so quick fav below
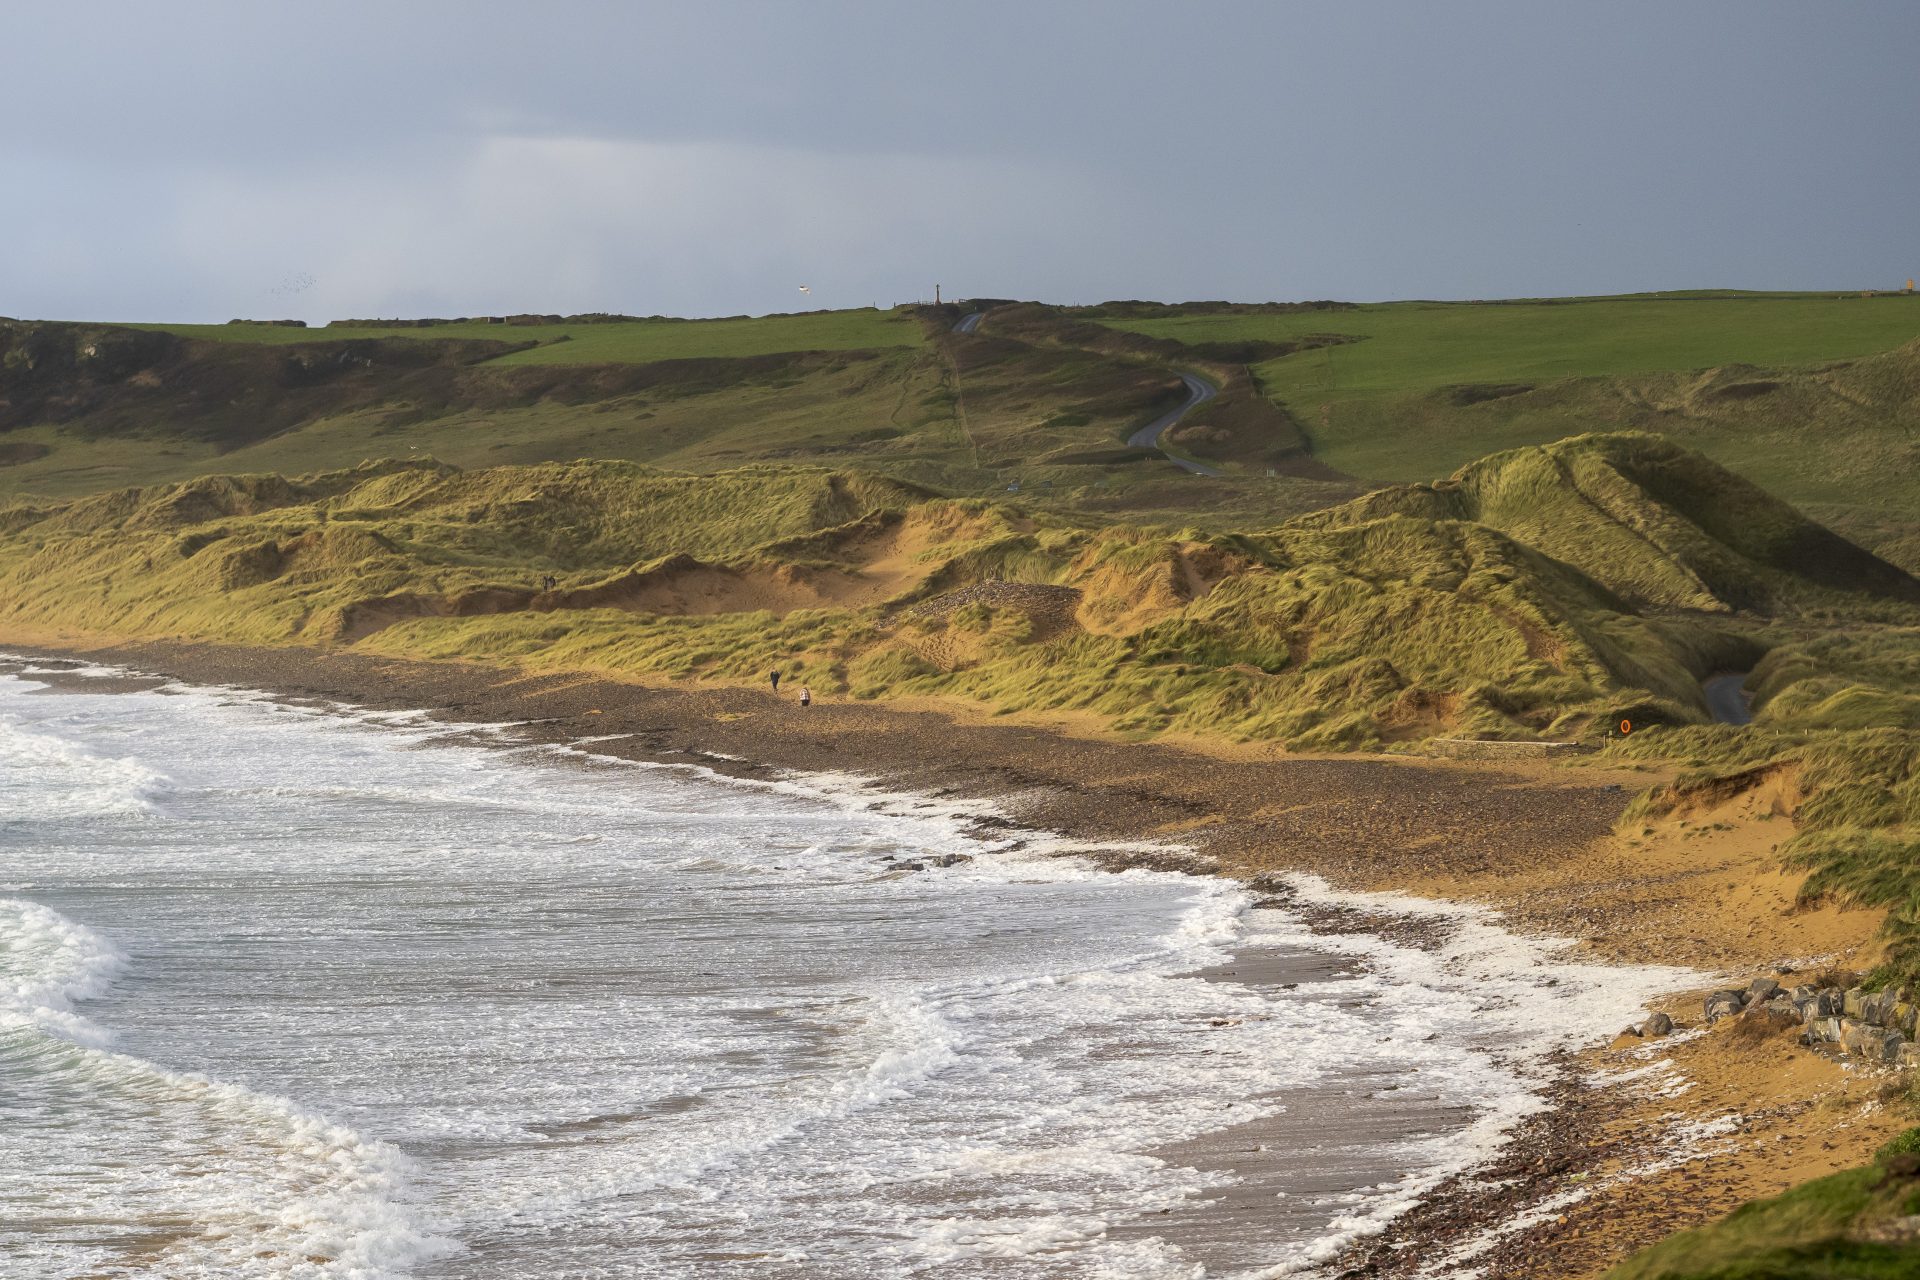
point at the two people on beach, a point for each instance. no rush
(806, 694)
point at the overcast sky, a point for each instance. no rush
(200, 160)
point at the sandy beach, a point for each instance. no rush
(1645, 1137)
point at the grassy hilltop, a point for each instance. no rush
(1516, 520)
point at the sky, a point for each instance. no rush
(202, 160)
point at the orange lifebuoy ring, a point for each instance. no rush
(1626, 727)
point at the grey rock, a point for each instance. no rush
(1909, 1055)
(1832, 1003)
(1904, 1018)
(1826, 1030)
(1658, 1024)
(1873, 1044)
(1762, 989)
(1724, 1004)
(1853, 1003)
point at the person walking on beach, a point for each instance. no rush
(546, 583)
(774, 675)
(806, 696)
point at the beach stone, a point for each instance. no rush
(1658, 1024)
(1909, 1055)
(1853, 1003)
(949, 859)
(1724, 1004)
(1762, 989)
(1872, 1044)
(1827, 1030)
(1832, 1002)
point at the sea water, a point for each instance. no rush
(305, 991)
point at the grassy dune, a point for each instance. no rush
(1385, 620)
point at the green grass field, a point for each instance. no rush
(1808, 395)
(1416, 346)
(636, 342)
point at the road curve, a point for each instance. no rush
(1726, 699)
(1199, 391)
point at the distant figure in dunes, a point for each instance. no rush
(806, 696)
(547, 583)
(774, 675)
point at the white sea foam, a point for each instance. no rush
(44, 778)
(47, 964)
(342, 1198)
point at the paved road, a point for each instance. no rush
(1726, 699)
(1199, 391)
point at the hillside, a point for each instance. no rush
(1815, 397)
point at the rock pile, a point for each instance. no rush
(1873, 1026)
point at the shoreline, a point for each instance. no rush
(1361, 823)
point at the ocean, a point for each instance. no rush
(304, 990)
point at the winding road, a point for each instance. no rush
(1199, 391)
(1726, 699)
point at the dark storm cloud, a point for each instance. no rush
(207, 159)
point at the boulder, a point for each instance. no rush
(1723, 1004)
(1761, 990)
(1909, 1055)
(1658, 1024)
(1826, 1030)
(1873, 1044)
(1832, 1003)
(1904, 1018)
(1853, 1002)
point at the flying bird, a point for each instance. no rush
(804, 289)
